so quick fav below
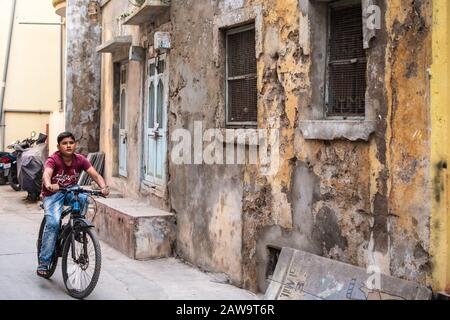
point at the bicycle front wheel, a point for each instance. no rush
(81, 273)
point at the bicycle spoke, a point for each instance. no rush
(82, 281)
(87, 278)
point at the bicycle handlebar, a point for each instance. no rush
(79, 190)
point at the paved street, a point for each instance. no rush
(121, 278)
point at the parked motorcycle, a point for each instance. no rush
(11, 175)
(31, 157)
(6, 160)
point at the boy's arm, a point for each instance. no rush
(47, 179)
(99, 180)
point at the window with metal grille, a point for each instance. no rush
(346, 62)
(241, 93)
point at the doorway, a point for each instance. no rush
(155, 123)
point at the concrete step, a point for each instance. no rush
(134, 228)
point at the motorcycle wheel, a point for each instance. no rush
(3, 180)
(13, 181)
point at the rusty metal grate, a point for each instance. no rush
(241, 53)
(242, 98)
(347, 62)
(241, 76)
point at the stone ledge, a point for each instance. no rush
(353, 130)
(149, 10)
(134, 228)
(115, 44)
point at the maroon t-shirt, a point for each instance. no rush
(63, 175)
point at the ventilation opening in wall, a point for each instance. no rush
(273, 255)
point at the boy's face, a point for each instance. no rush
(67, 146)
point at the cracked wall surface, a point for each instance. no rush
(364, 203)
(83, 76)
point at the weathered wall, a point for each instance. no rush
(82, 76)
(440, 151)
(110, 108)
(409, 138)
(361, 203)
(365, 203)
(207, 199)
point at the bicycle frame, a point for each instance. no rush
(76, 224)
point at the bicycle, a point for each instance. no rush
(78, 238)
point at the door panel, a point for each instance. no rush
(123, 122)
(151, 159)
(151, 103)
(159, 159)
(156, 126)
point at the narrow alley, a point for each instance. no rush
(120, 277)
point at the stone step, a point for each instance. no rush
(134, 228)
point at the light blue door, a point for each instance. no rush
(123, 121)
(156, 122)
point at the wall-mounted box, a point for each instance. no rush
(162, 41)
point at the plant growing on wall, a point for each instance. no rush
(123, 16)
(119, 21)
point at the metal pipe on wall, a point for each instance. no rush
(5, 76)
(61, 66)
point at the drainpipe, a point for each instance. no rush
(61, 66)
(5, 76)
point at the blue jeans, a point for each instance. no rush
(53, 207)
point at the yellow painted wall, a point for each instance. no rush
(56, 126)
(22, 124)
(440, 115)
(33, 81)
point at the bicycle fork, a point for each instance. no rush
(72, 239)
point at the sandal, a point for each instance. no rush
(42, 270)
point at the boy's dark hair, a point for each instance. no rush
(64, 135)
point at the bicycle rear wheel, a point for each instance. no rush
(54, 263)
(81, 275)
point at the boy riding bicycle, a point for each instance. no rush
(62, 170)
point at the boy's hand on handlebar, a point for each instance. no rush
(105, 191)
(53, 187)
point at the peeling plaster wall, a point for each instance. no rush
(364, 203)
(207, 199)
(440, 179)
(82, 76)
(129, 186)
(357, 202)
(409, 138)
